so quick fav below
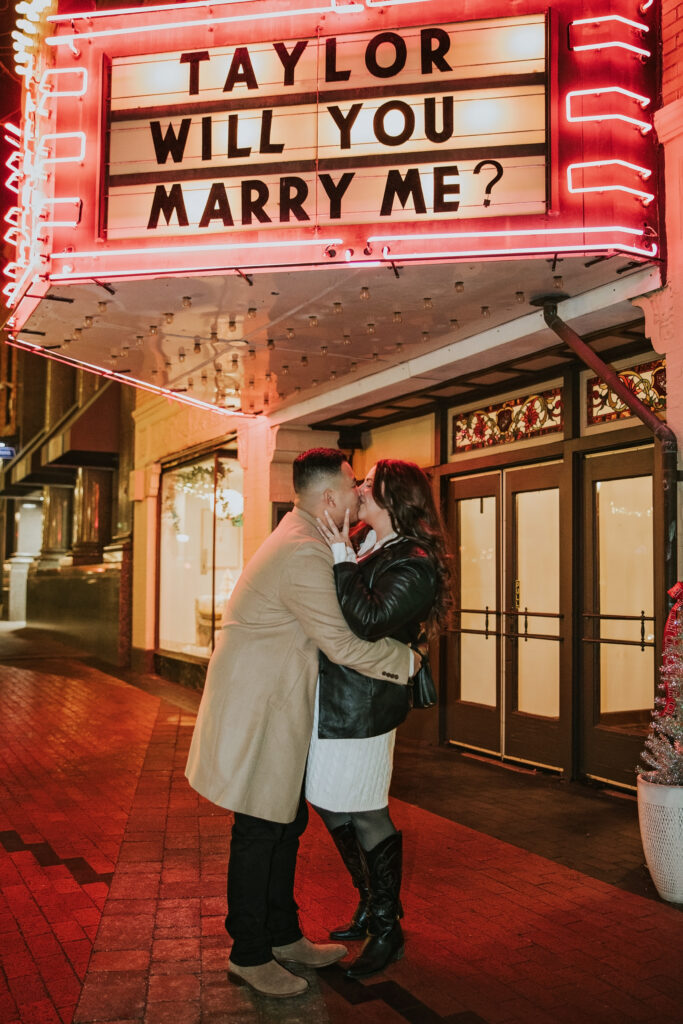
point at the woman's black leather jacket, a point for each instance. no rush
(387, 594)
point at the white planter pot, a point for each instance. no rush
(660, 813)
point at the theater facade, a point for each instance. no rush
(417, 229)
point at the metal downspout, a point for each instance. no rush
(663, 433)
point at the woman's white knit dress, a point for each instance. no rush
(350, 775)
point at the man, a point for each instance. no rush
(253, 729)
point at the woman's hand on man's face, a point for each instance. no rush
(331, 533)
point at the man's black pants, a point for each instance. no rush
(262, 912)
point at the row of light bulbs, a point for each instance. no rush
(313, 320)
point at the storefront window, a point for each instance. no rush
(201, 551)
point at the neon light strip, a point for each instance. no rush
(646, 6)
(125, 378)
(115, 12)
(12, 292)
(606, 46)
(392, 3)
(11, 128)
(538, 250)
(70, 200)
(644, 173)
(506, 234)
(71, 40)
(644, 101)
(49, 94)
(641, 26)
(199, 248)
(53, 72)
(529, 251)
(62, 159)
(88, 15)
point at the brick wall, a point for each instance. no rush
(672, 50)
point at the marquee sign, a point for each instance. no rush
(361, 128)
(257, 134)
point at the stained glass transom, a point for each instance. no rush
(647, 382)
(516, 419)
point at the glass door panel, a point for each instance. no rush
(477, 544)
(623, 513)
(538, 572)
(620, 606)
(535, 632)
(473, 673)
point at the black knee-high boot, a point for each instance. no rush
(346, 841)
(385, 941)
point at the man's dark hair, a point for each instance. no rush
(311, 466)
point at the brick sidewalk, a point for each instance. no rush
(113, 882)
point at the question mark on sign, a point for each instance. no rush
(496, 178)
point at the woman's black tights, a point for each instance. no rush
(371, 826)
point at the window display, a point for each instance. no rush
(200, 551)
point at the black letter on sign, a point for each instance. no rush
(254, 198)
(446, 132)
(400, 54)
(290, 60)
(408, 123)
(233, 148)
(434, 55)
(168, 204)
(345, 122)
(206, 138)
(336, 192)
(331, 73)
(265, 145)
(401, 189)
(240, 70)
(217, 207)
(193, 59)
(170, 143)
(293, 194)
(442, 189)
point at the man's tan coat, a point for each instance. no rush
(251, 740)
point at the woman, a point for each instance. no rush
(398, 586)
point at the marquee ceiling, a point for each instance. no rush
(313, 345)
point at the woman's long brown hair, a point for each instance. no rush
(404, 490)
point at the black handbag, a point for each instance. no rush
(423, 688)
